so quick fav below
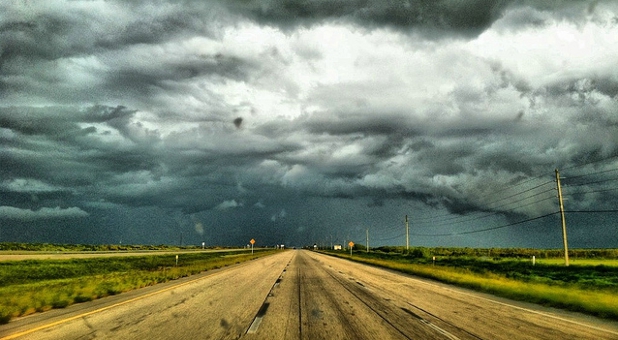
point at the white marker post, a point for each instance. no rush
(176, 260)
(533, 260)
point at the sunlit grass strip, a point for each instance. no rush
(24, 299)
(595, 302)
(580, 262)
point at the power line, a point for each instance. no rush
(592, 211)
(593, 182)
(450, 218)
(525, 191)
(390, 238)
(391, 227)
(448, 214)
(590, 174)
(531, 203)
(462, 219)
(590, 163)
(527, 198)
(588, 192)
(487, 229)
(509, 203)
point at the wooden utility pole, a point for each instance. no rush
(562, 219)
(367, 245)
(407, 234)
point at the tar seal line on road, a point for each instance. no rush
(262, 311)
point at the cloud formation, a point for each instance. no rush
(301, 116)
(41, 214)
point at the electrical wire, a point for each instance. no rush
(566, 193)
(592, 211)
(487, 229)
(460, 219)
(590, 163)
(526, 198)
(525, 191)
(389, 238)
(569, 178)
(448, 214)
(450, 219)
(593, 182)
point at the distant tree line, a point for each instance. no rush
(17, 246)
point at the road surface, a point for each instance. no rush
(305, 295)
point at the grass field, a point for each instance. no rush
(588, 285)
(31, 286)
(579, 262)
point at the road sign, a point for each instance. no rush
(252, 241)
(351, 244)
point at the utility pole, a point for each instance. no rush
(407, 234)
(367, 245)
(562, 219)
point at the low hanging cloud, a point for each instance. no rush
(14, 213)
(279, 216)
(199, 228)
(228, 205)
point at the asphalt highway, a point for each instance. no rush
(299, 294)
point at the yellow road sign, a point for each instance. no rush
(252, 241)
(351, 244)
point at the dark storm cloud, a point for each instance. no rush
(101, 113)
(278, 118)
(350, 122)
(29, 121)
(434, 19)
(59, 31)
(469, 148)
(125, 167)
(64, 149)
(148, 79)
(39, 46)
(455, 17)
(55, 120)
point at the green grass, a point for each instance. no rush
(33, 286)
(580, 262)
(590, 288)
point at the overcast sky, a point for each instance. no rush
(301, 122)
